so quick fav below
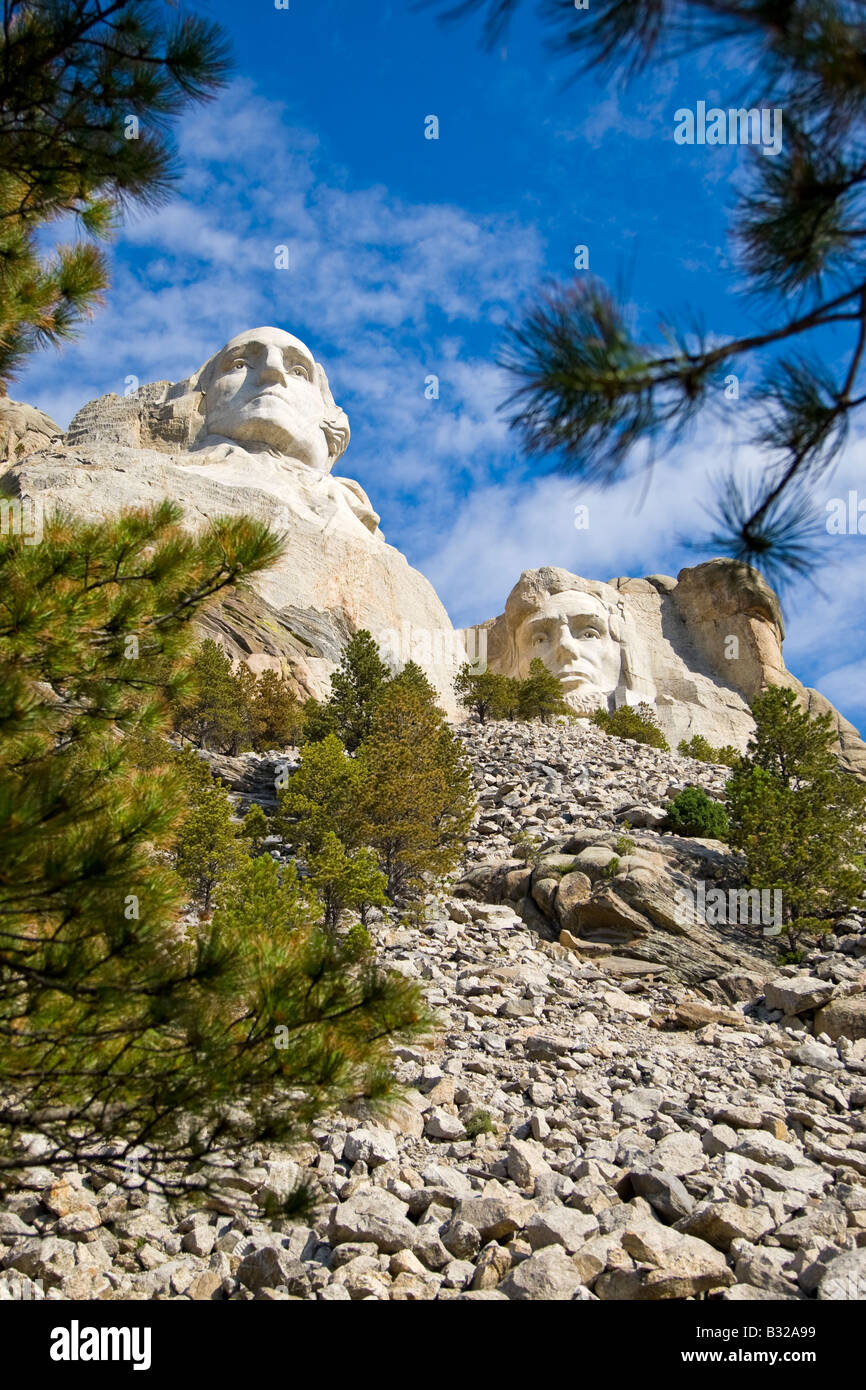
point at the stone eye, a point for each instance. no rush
(298, 370)
(238, 362)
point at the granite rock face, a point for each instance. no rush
(23, 430)
(254, 432)
(336, 577)
(696, 648)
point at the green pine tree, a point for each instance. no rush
(637, 723)
(322, 795)
(796, 815)
(253, 829)
(487, 694)
(207, 850)
(276, 712)
(120, 1025)
(693, 812)
(417, 791)
(88, 89)
(507, 702)
(264, 896)
(218, 714)
(246, 686)
(317, 721)
(345, 881)
(411, 677)
(702, 751)
(355, 688)
(540, 694)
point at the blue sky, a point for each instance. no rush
(407, 257)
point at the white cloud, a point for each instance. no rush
(365, 267)
(846, 686)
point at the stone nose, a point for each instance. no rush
(566, 641)
(273, 368)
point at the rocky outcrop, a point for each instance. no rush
(253, 778)
(599, 877)
(696, 648)
(563, 1138)
(595, 882)
(24, 429)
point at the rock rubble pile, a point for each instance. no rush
(598, 1118)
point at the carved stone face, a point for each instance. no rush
(570, 632)
(262, 390)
